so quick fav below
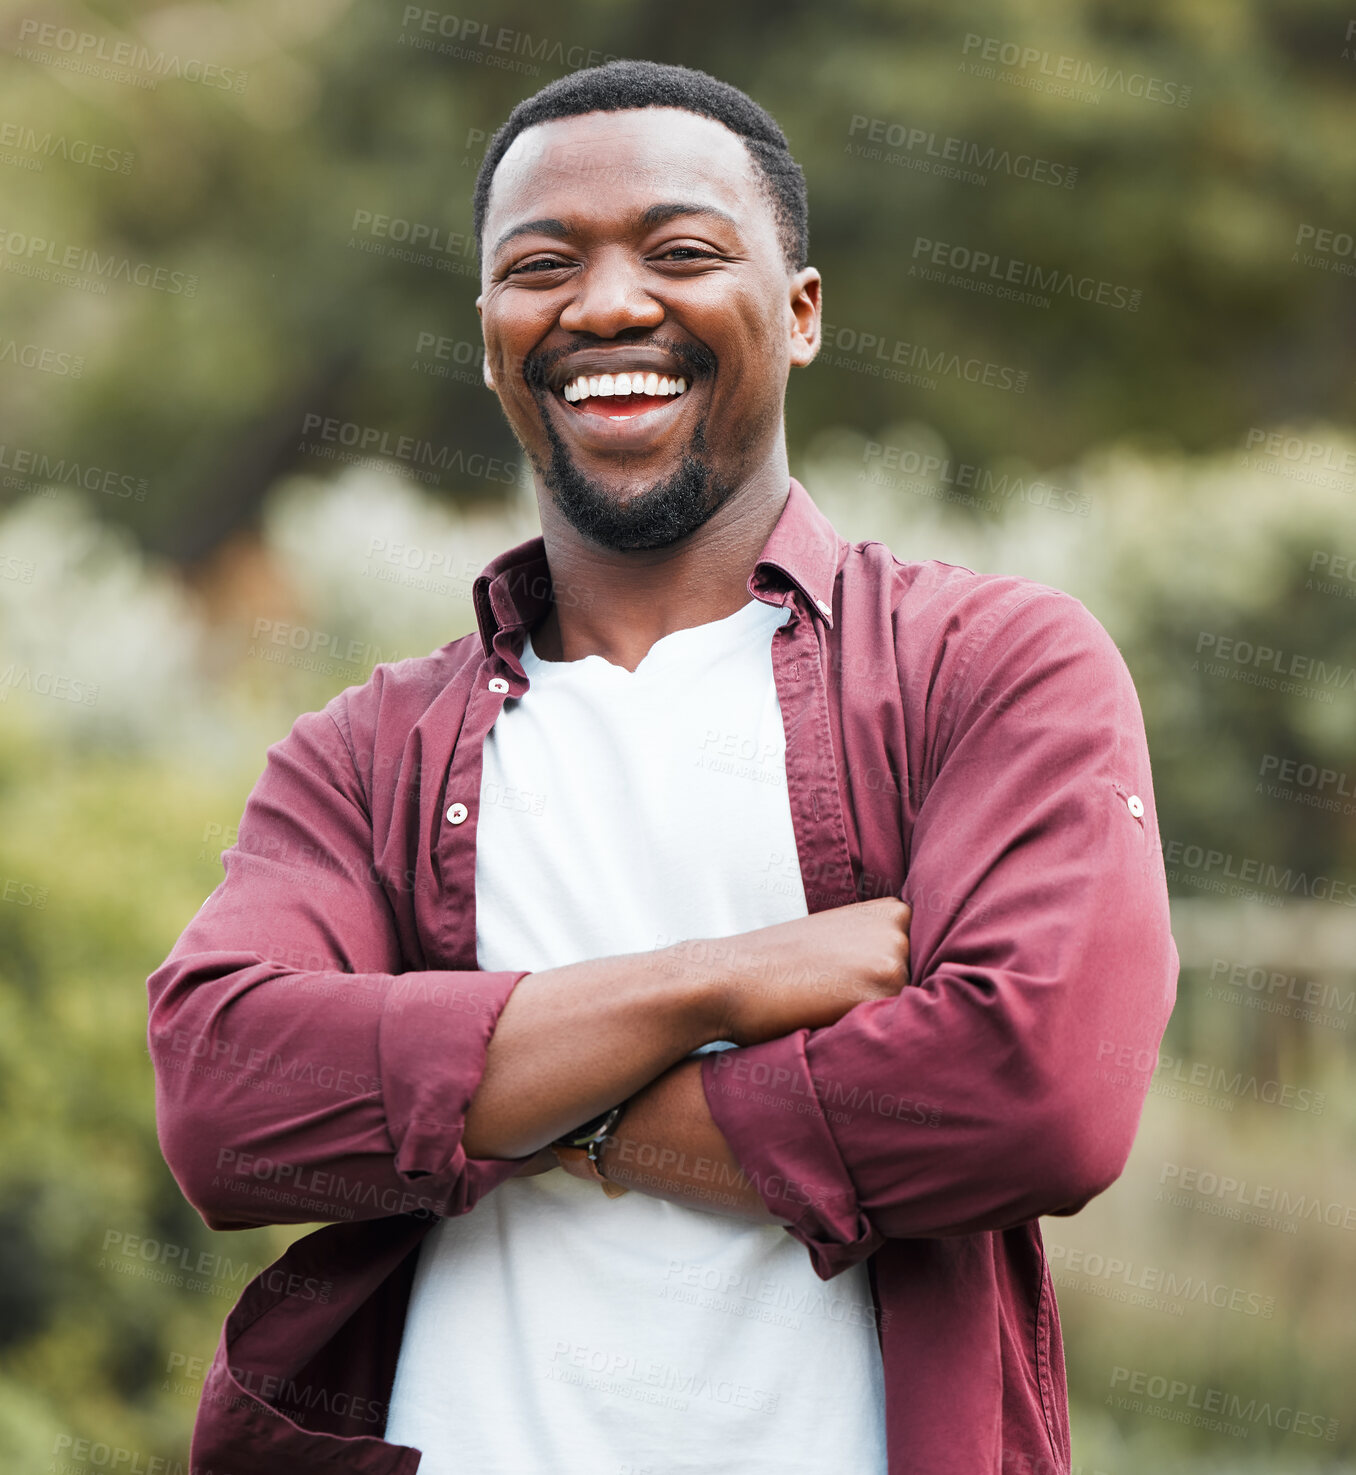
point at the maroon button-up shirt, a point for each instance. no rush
(971, 743)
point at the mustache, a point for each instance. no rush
(696, 358)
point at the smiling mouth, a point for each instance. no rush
(621, 396)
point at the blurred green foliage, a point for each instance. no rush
(350, 108)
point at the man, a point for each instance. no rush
(838, 875)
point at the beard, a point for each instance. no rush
(661, 514)
(653, 518)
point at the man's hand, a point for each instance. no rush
(573, 1041)
(807, 973)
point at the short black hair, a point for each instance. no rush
(617, 85)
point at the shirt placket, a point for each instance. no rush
(811, 767)
(459, 815)
(816, 798)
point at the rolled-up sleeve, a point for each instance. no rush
(302, 1075)
(1008, 1079)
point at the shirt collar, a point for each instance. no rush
(515, 589)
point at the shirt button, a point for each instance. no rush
(1135, 805)
(825, 609)
(456, 814)
(497, 683)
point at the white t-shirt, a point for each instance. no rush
(553, 1330)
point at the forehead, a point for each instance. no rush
(608, 166)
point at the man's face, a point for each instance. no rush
(640, 244)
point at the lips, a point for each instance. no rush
(635, 423)
(653, 378)
(595, 362)
(621, 409)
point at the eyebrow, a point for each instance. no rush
(649, 218)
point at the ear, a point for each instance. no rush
(484, 358)
(804, 298)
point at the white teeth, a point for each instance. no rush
(586, 386)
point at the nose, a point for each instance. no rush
(610, 296)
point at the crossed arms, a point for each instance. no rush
(303, 1073)
(573, 1041)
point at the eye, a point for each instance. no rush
(537, 264)
(686, 253)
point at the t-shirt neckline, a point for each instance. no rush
(708, 631)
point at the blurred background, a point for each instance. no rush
(1090, 295)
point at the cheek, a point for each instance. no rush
(761, 326)
(754, 365)
(511, 337)
(756, 354)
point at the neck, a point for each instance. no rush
(617, 604)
